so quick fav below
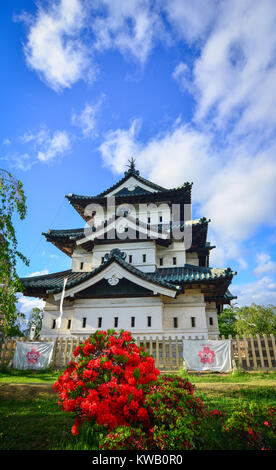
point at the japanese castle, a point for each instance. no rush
(134, 266)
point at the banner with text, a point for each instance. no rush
(213, 355)
(35, 355)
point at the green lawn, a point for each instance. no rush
(30, 418)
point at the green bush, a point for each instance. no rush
(178, 420)
(251, 428)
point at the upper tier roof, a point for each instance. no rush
(147, 192)
(66, 240)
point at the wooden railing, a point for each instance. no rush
(251, 353)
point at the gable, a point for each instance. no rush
(124, 288)
(129, 186)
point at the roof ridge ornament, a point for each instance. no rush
(131, 168)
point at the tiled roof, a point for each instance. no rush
(53, 283)
(190, 273)
(132, 172)
(170, 278)
(79, 233)
(130, 196)
(72, 234)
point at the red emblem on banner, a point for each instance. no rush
(32, 356)
(206, 356)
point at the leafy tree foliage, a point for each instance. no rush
(227, 321)
(248, 320)
(36, 318)
(256, 319)
(12, 202)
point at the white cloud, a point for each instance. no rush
(54, 146)
(41, 145)
(26, 304)
(21, 161)
(39, 273)
(119, 146)
(87, 118)
(261, 292)
(234, 75)
(182, 74)
(129, 27)
(191, 20)
(265, 265)
(46, 145)
(54, 47)
(62, 37)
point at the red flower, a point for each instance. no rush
(107, 383)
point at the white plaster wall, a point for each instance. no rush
(136, 250)
(49, 316)
(211, 311)
(176, 249)
(81, 256)
(185, 306)
(124, 309)
(192, 258)
(161, 310)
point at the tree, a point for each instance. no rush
(227, 321)
(256, 319)
(247, 320)
(12, 202)
(36, 318)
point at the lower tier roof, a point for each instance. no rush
(174, 278)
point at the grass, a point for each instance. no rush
(30, 418)
(28, 376)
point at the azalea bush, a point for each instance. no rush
(127, 438)
(105, 385)
(251, 428)
(178, 420)
(113, 388)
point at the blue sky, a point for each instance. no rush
(187, 88)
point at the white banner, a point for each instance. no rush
(207, 355)
(35, 355)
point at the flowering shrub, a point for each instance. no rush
(178, 417)
(252, 428)
(106, 385)
(178, 420)
(127, 437)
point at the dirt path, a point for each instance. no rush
(228, 387)
(13, 390)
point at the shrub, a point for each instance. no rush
(106, 385)
(251, 428)
(126, 437)
(178, 420)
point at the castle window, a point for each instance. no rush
(130, 258)
(175, 322)
(81, 266)
(161, 261)
(160, 218)
(144, 258)
(84, 322)
(149, 321)
(174, 260)
(68, 324)
(53, 324)
(193, 322)
(116, 322)
(132, 322)
(211, 321)
(100, 322)
(148, 220)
